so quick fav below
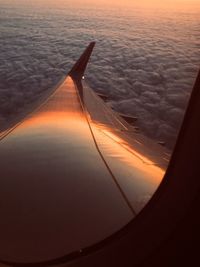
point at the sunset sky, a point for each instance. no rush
(145, 3)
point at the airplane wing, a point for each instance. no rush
(73, 173)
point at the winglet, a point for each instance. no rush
(80, 66)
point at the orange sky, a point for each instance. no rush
(189, 6)
(166, 4)
(145, 3)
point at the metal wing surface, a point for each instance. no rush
(73, 173)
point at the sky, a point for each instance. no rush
(145, 3)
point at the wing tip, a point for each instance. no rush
(80, 66)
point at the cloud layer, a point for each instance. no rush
(146, 64)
